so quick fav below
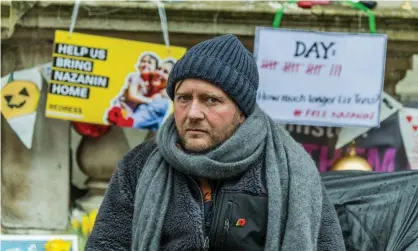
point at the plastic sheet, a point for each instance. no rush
(377, 211)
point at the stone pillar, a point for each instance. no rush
(407, 88)
(34, 182)
(34, 187)
(97, 159)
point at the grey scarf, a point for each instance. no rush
(294, 187)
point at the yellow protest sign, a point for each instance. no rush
(103, 80)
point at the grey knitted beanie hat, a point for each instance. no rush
(226, 63)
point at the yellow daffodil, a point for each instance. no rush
(75, 224)
(85, 225)
(92, 219)
(57, 245)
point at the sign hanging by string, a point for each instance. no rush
(109, 81)
(382, 147)
(320, 78)
(388, 107)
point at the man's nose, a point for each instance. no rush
(195, 111)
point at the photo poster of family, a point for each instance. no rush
(110, 81)
(143, 102)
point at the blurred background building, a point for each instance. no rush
(41, 186)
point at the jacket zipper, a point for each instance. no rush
(226, 224)
(202, 207)
(213, 225)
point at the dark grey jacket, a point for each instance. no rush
(239, 197)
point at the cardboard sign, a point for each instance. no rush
(408, 121)
(388, 107)
(320, 78)
(102, 80)
(382, 147)
(39, 242)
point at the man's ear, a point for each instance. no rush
(241, 116)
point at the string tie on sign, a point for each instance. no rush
(74, 16)
(163, 19)
(279, 12)
(370, 14)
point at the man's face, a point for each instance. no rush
(147, 66)
(205, 115)
(160, 76)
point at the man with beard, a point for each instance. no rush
(220, 174)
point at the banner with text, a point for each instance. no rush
(320, 78)
(103, 80)
(388, 107)
(382, 147)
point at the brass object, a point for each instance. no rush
(406, 5)
(352, 162)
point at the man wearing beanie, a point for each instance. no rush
(220, 174)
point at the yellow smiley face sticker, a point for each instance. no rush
(19, 98)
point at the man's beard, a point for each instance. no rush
(215, 140)
(201, 150)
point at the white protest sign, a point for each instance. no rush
(408, 123)
(320, 78)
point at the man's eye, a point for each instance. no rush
(213, 101)
(183, 98)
